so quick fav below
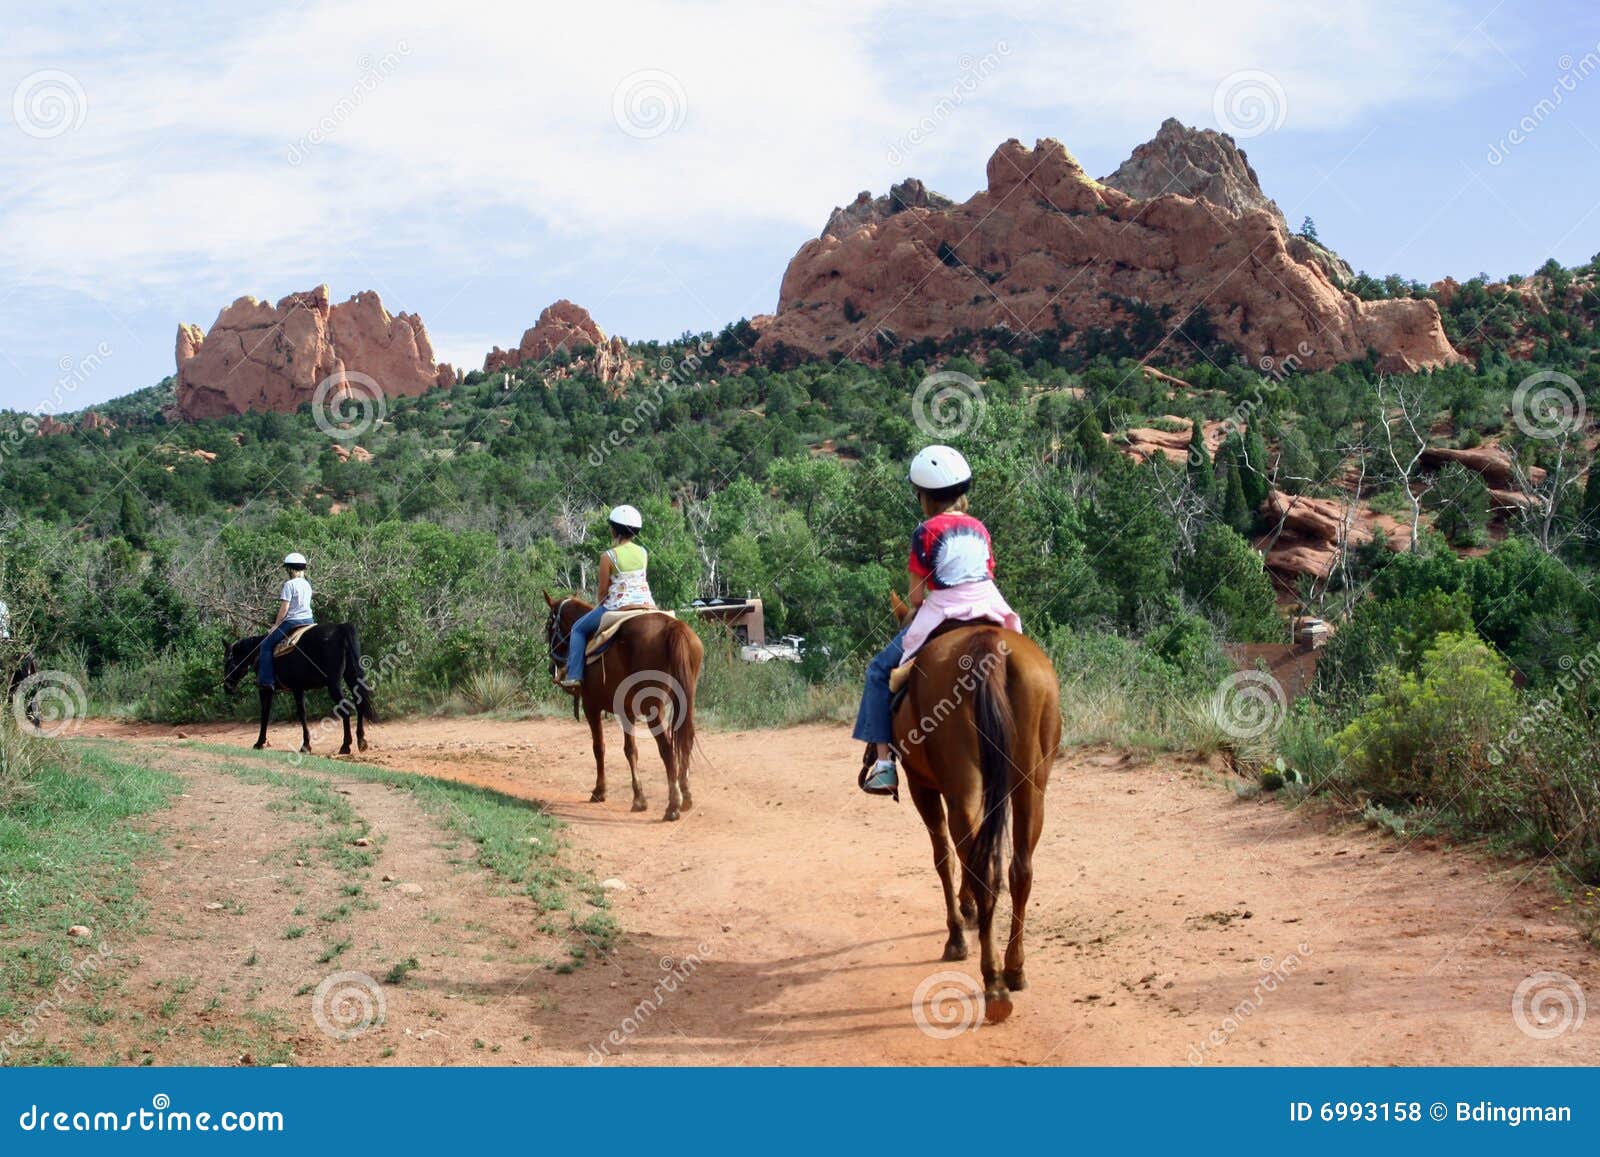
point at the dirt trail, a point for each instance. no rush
(789, 920)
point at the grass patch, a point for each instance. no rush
(68, 849)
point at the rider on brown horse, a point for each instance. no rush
(952, 578)
(623, 584)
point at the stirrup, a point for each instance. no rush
(872, 781)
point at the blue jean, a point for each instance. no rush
(873, 724)
(264, 672)
(578, 642)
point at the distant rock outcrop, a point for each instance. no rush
(565, 326)
(866, 209)
(258, 356)
(1045, 247)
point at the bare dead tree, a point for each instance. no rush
(1405, 407)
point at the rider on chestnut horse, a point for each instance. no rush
(952, 578)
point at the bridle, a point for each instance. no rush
(557, 642)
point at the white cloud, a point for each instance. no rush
(491, 136)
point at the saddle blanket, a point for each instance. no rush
(290, 641)
(611, 622)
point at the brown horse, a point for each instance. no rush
(647, 676)
(976, 733)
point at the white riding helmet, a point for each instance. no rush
(937, 467)
(626, 516)
(294, 558)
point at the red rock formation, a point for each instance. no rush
(258, 356)
(49, 426)
(1489, 461)
(94, 420)
(865, 209)
(565, 326)
(1307, 531)
(1046, 244)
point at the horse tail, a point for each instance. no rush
(356, 675)
(996, 733)
(683, 668)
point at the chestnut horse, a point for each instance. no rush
(976, 733)
(647, 676)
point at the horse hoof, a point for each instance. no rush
(640, 804)
(597, 796)
(671, 815)
(260, 745)
(687, 803)
(996, 1006)
(1015, 981)
(955, 950)
(345, 750)
(361, 745)
(305, 749)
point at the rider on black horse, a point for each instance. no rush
(294, 612)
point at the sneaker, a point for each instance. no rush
(571, 684)
(881, 779)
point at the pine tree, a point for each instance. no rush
(1589, 512)
(1254, 473)
(1308, 230)
(1236, 511)
(1201, 475)
(130, 520)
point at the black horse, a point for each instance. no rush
(26, 670)
(326, 656)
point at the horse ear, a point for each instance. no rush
(897, 604)
(550, 602)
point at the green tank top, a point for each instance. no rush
(630, 556)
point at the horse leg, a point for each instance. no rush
(598, 740)
(266, 714)
(930, 805)
(300, 714)
(1027, 819)
(630, 749)
(663, 733)
(342, 709)
(983, 884)
(358, 697)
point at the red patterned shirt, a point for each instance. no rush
(951, 549)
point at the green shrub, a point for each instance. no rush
(1427, 736)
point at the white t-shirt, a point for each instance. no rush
(297, 593)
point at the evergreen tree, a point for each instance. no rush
(1308, 230)
(1235, 509)
(1201, 475)
(130, 519)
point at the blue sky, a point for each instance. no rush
(660, 163)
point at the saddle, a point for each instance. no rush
(611, 622)
(290, 641)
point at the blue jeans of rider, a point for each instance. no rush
(582, 631)
(265, 675)
(873, 724)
